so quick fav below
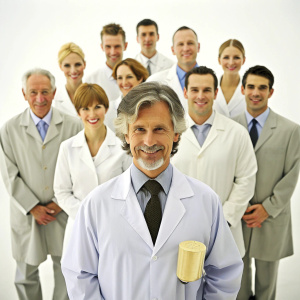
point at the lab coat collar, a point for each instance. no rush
(173, 213)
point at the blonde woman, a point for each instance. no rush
(71, 62)
(128, 73)
(91, 157)
(230, 101)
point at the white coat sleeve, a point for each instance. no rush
(63, 186)
(244, 182)
(223, 264)
(80, 266)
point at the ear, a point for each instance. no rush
(198, 47)
(84, 63)
(137, 39)
(126, 138)
(216, 93)
(125, 46)
(185, 93)
(24, 94)
(60, 66)
(101, 45)
(244, 60)
(54, 94)
(242, 90)
(172, 48)
(271, 93)
(219, 60)
(157, 37)
(141, 80)
(176, 137)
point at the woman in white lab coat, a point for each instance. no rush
(230, 101)
(91, 157)
(71, 62)
(128, 73)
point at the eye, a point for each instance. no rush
(225, 57)
(98, 106)
(237, 57)
(45, 92)
(84, 108)
(119, 78)
(33, 93)
(67, 65)
(159, 129)
(139, 129)
(78, 64)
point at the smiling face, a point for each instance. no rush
(73, 67)
(200, 94)
(151, 139)
(126, 79)
(147, 38)
(257, 94)
(113, 46)
(231, 60)
(39, 94)
(185, 47)
(92, 116)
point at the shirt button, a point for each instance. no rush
(154, 258)
(46, 188)
(45, 168)
(43, 147)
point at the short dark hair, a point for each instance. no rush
(201, 71)
(113, 29)
(183, 28)
(259, 71)
(146, 22)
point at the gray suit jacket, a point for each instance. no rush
(30, 165)
(278, 159)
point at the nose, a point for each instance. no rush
(149, 139)
(231, 61)
(112, 50)
(185, 47)
(39, 97)
(73, 69)
(124, 80)
(255, 91)
(200, 95)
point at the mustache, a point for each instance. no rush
(150, 149)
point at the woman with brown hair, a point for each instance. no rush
(230, 101)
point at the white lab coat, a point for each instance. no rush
(170, 78)
(103, 77)
(161, 62)
(63, 102)
(111, 114)
(227, 163)
(76, 173)
(111, 255)
(236, 105)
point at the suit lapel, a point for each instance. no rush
(267, 130)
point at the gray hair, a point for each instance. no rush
(38, 71)
(145, 95)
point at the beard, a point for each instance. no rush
(150, 165)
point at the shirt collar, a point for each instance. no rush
(209, 121)
(180, 73)
(138, 178)
(153, 59)
(46, 119)
(261, 119)
(108, 72)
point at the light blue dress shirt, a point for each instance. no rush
(181, 75)
(138, 179)
(261, 120)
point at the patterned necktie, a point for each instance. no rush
(148, 67)
(153, 213)
(253, 132)
(42, 128)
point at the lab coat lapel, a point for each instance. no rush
(53, 129)
(131, 211)
(174, 210)
(31, 129)
(267, 130)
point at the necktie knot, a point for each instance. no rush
(42, 128)
(153, 187)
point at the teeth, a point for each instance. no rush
(126, 87)
(93, 121)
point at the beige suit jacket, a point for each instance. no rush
(278, 159)
(30, 165)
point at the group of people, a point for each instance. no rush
(162, 152)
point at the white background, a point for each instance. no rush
(32, 31)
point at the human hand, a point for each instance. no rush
(53, 206)
(42, 214)
(255, 215)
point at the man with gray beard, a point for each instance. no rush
(124, 244)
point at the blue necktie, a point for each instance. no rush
(42, 128)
